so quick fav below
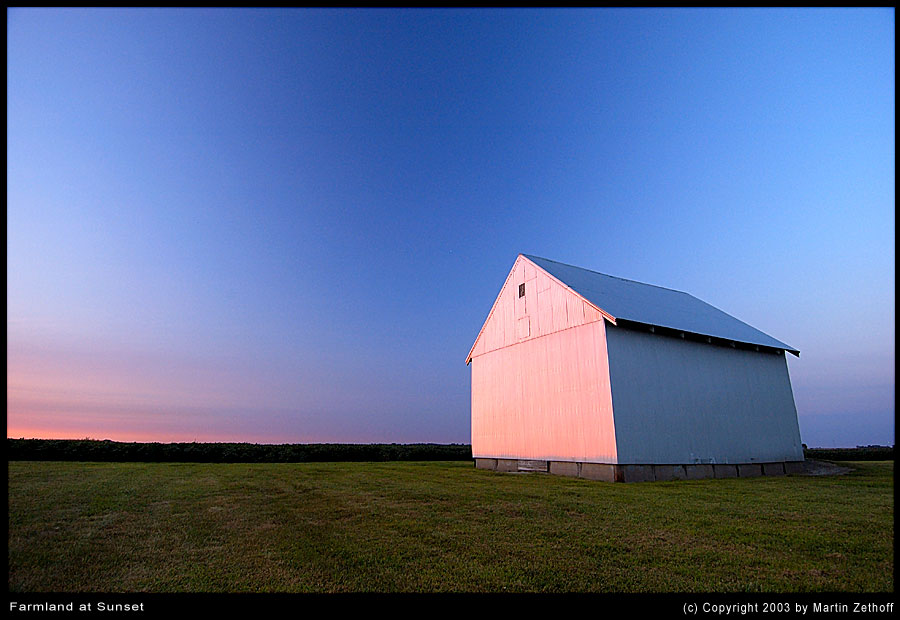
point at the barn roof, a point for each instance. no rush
(636, 302)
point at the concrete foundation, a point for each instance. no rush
(698, 472)
(540, 466)
(669, 472)
(773, 469)
(793, 467)
(749, 470)
(564, 468)
(486, 463)
(598, 471)
(607, 472)
(725, 471)
(507, 465)
(635, 473)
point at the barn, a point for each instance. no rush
(583, 374)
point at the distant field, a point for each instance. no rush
(197, 452)
(439, 526)
(859, 453)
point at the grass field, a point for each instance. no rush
(439, 526)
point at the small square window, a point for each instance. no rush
(522, 290)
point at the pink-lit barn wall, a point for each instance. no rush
(540, 375)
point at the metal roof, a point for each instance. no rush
(656, 306)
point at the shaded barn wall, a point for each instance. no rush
(678, 401)
(540, 380)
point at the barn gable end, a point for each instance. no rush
(547, 306)
(540, 376)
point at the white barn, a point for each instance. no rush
(580, 373)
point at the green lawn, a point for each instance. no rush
(439, 526)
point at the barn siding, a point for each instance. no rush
(545, 398)
(540, 380)
(678, 401)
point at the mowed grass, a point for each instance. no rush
(438, 527)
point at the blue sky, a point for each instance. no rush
(266, 225)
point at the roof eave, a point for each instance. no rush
(665, 329)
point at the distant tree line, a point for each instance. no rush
(859, 453)
(96, 450)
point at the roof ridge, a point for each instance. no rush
(549, 260)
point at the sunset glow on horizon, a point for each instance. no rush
(288, 226)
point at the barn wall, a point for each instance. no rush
(545, 398)
(678, 401)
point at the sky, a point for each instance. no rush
(287, 226)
